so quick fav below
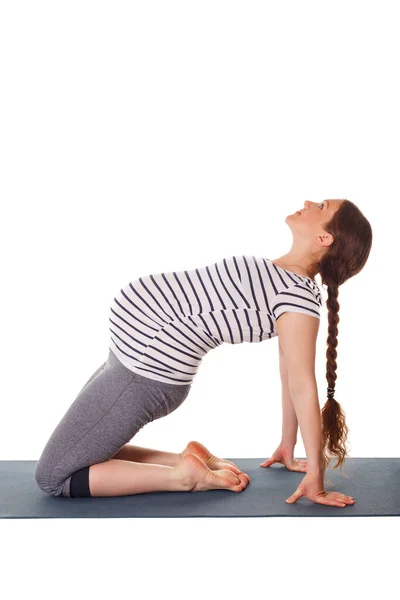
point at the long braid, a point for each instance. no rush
(334, 428)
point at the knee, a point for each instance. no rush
(45, 481)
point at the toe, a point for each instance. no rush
(244, 480)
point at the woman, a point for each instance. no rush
(161, 327)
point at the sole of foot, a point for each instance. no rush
(200, 478)
(213, 462)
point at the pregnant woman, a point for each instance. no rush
(162, 325)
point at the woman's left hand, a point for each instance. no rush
(285, 455)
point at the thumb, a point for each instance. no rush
(267, 462)
(294, 497)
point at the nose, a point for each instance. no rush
(307, 204)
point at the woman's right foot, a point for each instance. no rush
(200, 478)
(213, 462)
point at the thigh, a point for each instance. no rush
(94, 375)
(107, 413)
(90, 429)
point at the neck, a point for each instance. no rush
(299, 264)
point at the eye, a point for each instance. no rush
(322, 206)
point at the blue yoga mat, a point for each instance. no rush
(373, 482)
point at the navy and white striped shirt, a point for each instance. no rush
(163, 324)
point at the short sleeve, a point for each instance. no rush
(297, 298)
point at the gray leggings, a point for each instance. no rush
(109, 410)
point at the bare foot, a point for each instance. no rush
(213, 462)
(200, 478)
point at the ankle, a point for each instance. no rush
(183, 478)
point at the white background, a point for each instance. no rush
(141, 137)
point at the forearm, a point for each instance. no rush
(290, 422)
(306, 406)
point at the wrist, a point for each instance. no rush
(316, 467)
(288, 442)
(315, 470)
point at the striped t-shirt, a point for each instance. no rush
(162, 325)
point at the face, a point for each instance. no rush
(315, 215)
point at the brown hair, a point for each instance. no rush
(345, 257)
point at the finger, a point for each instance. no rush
(302, 468)
(328, 502)
(267, 462)
(294, 497)
(297, 468)
(294, 466)
(343, 498)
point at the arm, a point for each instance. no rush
(297, 335)
(290, 422)
(308, 412)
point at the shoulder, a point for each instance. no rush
(302, 297)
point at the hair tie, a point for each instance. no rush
(331, 392)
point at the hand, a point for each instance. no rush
(284, 455)
(312, 487)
